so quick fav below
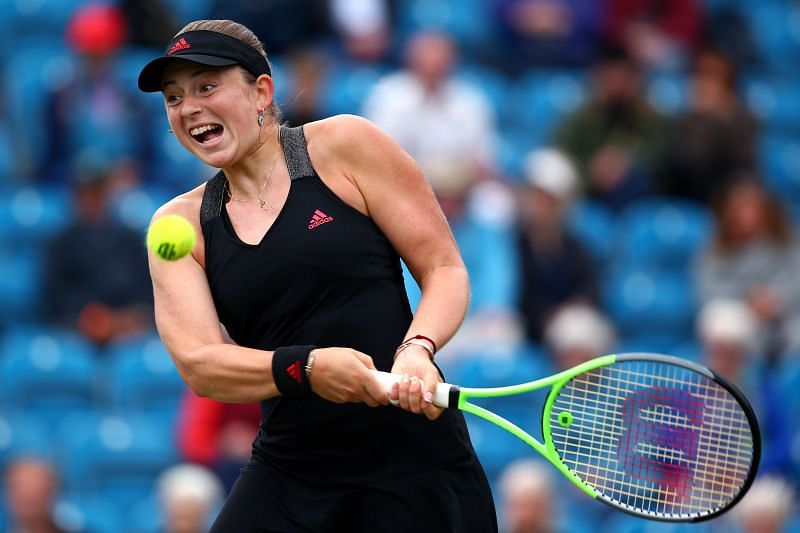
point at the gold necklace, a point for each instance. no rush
(263, 204)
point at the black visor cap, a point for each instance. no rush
(205, 48)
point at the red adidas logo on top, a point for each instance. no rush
(319, 218)
(296, 371)
(180, 45)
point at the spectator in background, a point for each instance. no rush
(617, 138)
(150, 22)
(577, 333)
(95, 276)
(546, 32)
(767, 506)
(447, 126)
(528, 503)
(31, 487)
(302, 22)
(364, 28)
(217, 435)
(444, 123)
(754, 257)
(94, 111)
(659, 34)
(553, 267)
(190, 497)
(717, 137)
(728, 332)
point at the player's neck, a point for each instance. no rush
(249, 171)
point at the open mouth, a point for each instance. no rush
(207, 133)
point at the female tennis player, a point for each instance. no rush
(294, 292)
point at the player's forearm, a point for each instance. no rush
(443, 305)
(228, 373)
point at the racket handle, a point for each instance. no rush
(441, 398)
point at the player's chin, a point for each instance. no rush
(217, 158)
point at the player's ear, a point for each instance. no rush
(266, 91)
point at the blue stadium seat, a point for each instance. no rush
(539, 100)
(668, 92)
(663, 342)
(7, 166)
(144, 379)
(619, 522)
(36, 68)
(134, 207)
(690, 349)
(773, 99)
(47, 372)
(656, 307)
(662, 233)
(43, 18)
(591, 223)
(467, 21)
(188, 10)
(774, 28)
(113, 458)
(20, 286)
(787, 375)
(481, 369)
(490, 82)
(174, 167)
(495, 447)
(353, 84)
(29, 215)
(513, 145)
(780, 165)
(76, 513)
(147, 516)
(128, 64)
(22, 435)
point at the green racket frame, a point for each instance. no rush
(457, 397)
(556, 381)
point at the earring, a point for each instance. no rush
(260, 118)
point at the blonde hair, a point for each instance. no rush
(242, 33)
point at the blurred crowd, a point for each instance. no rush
(620, 176)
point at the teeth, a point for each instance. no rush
(202, 129)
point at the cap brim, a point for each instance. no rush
(151, 74)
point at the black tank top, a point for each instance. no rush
(324, 274)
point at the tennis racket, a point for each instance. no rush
(652, 435)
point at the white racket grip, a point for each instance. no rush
(441, 398)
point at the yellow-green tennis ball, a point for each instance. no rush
(171, 237)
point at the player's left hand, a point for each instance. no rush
(420, 376)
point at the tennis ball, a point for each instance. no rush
(171, 237)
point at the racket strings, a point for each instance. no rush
(654, 437)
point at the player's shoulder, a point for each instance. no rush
(341, 134)
(186, 205)
(339, 129)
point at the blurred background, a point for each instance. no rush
(620, 175)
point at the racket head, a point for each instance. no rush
(655, 436)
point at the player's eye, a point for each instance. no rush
(172, 99)
(206, 88)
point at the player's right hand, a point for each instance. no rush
(342, 375)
